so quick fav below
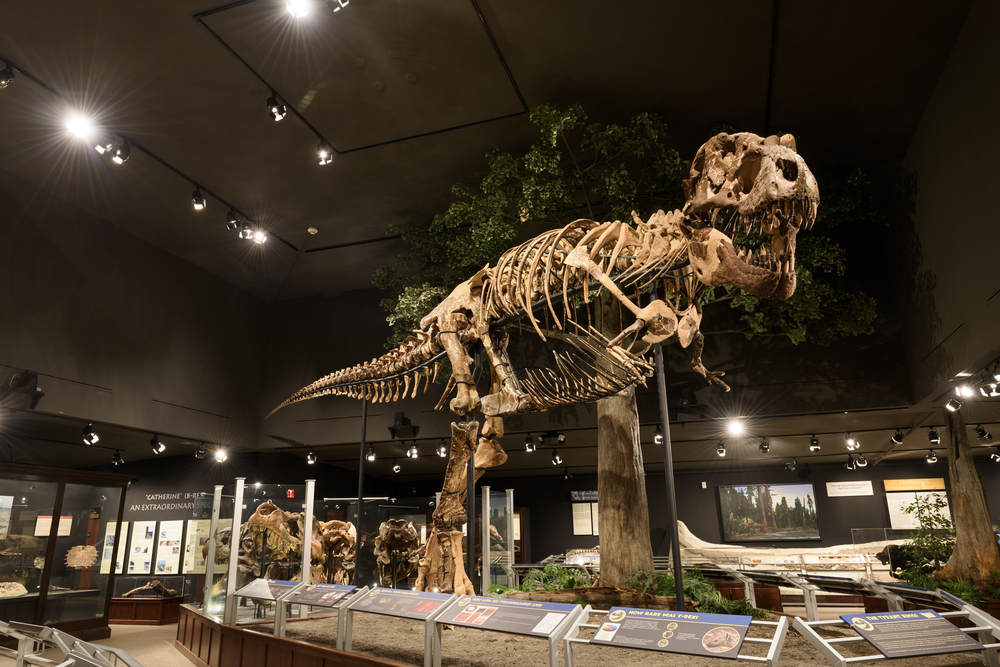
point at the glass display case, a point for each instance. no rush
(497, 538)
(57, 546)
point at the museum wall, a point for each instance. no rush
(119, 330)
(946, 235)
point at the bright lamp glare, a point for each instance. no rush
(736, 427)
(298, 8)
(259, 237)
(79, 126)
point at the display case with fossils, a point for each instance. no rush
(57, 546)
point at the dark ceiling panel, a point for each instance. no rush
(375, 72)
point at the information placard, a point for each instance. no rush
(195, 544)
(521, 617)
(108, 549)
(903, 634)
(844, 489)
(408, 604)
(140, 550)
(168, 549)
(267, 589)
(716, 635)
(321, 595)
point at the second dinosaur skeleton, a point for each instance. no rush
(740, 185)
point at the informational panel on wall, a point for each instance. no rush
(44, 524)
(195, 544)
(140, 549)
(844, 489)
(898, 502)
(585, 519)
(6, 505)
(108, 549)
(921, 484)
(168, 550)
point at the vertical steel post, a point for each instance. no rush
(470, 526)
(361, 490)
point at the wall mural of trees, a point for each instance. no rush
(768, 512)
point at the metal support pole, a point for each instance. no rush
(484, 534)
(470, 526)
(361, 490)
(307, 535)
(668, 472)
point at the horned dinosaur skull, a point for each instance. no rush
(742, 184)
(396, 544)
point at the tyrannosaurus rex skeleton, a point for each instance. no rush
(740, 183)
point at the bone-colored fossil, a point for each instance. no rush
(81, 556)
(156, 586)
(740, 185)
(396, 545)
(12, 589)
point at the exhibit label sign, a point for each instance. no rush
(267, 589)
(844, 489)
(521, 617)
(908, 633)
(925, 484)
(715, 635)
(408, 604)
(322, 595)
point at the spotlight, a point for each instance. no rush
(7, 76)
(104, 144)
(850, 462)
(813, 444)
(735, 427)
(964, 390)
(79, 126)
(220, 456)
(245, 231)
(370, 454)
(197, 200)
(954, 405)
(931, 457)
(122, 153)
(324, 153)
(658, 436)
(336, 5)
(276, 108)
(792, 465)
(933, 437)
(200, 453)
(861, 462)
(897, 437)
(442, 449)
(395, 466)
(402, 428)
(529, 443)
(764, 446)
(116, 458)
(90, 436)
(721, 449)
(155, 443)
(412, 452)
(982, 433)
(298, 8)
(259, 237)
(566, 474)
(232, 220)
(852, 444)
(311, 457)
(995, 456)
(556, 459)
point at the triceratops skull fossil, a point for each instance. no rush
(742, 184)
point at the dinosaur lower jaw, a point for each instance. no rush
(716, 262)
(758, 281)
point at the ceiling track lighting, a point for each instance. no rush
(104, 144)
(813, 444)
(721, 449)
(197, 200)
(370, 454)
(658, 436)
(157, 446)
(852, 444)
(311, 457)
(90, 436)
(897, 437)
(259, 237)
(965, 389)
(299, 8)
(220, 456)
(395, 467)
(931, 457)
(556, 459)
(276, 109)
(861, 461)
(954, 405)
(412, 452)
(232, 220)
(336, 5)
(566, 474)
(995, 456)
(792, 465)
(245, 231)
(200, 452)
(6, 76)
(933, 437)
(735, 427)
(529, 443)
(982, 433)
(324, 153)
(402, 428)
(764, 446)
(116, 458)
(850, 462)
(442, 449)
(122, 153)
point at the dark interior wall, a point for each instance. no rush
(947, 234)
(123, 332)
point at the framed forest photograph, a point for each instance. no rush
(768, 512)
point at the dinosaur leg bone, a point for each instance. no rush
(468, 398)
(713, 377)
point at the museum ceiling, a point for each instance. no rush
(411, 96)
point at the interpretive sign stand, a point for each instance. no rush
(900, 634)
(271, 590)
(712, 635)
(327, 596)
(915, 595)
(790, 581)
(418, 605)
(545, 620)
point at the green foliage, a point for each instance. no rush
(934, 539)
(550, 578)
(696, 587)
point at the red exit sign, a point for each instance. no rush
(289, 493)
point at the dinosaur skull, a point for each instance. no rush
(742, 184)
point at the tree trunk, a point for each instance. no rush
(623, 513)
(976, 554)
